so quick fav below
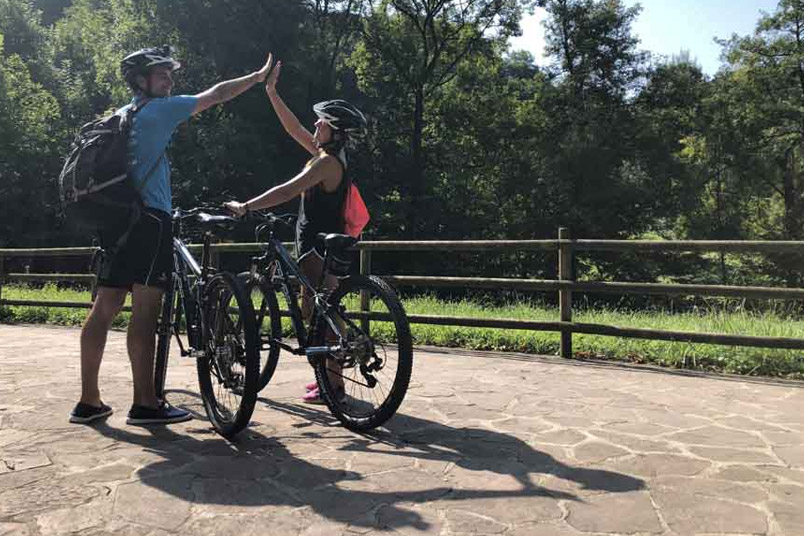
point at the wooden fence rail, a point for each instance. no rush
(565, 285)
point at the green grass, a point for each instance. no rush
(716, 319)
(51, 315)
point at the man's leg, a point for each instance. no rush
(145, 305)
(108, 304)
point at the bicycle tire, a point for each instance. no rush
(222, 350)
(347, 408)
(267, 304)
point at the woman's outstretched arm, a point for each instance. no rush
(289, 121)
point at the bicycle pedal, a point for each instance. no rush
(191, 354)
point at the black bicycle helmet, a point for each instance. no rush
(141, 61)
(341, 115)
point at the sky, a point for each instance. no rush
(667, 27)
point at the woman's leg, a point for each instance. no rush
(312, 266)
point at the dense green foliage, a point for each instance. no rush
(468, 138)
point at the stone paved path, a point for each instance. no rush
(484, 444)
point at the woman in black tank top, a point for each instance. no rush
(322, 184)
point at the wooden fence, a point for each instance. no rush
(564, 285)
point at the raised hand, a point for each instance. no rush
(270, 84)
(262, 73)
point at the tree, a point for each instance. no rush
(417, 47)
(28, 169)
(767, 70)
(671, 109)
(597, 181)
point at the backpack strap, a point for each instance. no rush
(150, 173)
(137, 212)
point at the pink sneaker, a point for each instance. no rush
(310, 386)
(312, 397)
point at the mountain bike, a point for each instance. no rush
(221, 331)
(357, 340)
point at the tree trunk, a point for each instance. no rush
(791, 201)
(417, 165)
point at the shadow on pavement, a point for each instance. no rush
(477, 449)
(256, 470)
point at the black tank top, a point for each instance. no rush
(321, 211)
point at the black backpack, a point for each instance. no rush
(97, 193)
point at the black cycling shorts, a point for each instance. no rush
(146, 258)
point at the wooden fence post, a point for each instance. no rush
(365, 270)
(2, 276)
(565, 254)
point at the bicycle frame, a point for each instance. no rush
(286, 267)
(189, 298)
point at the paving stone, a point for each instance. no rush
(231, 496)
(621, 513)
(748, 424)
(718, 436)
(367, 463)
(349, 502)
(784, 439)
(43, 495)
(517, 507)
(11, 436)
(721, 454)
(789, 517)
(162, 502)
(744, 474)
(743, 492)
(22, 461)
(672, 419)
(792, 456)
(644, 429)
(794, 475)
(284, 524)
(793, 494)
(544, 529)
(464, 522)
(82, 518)
(596, 451)
(689, 513)
(406, 519)
(521, 425)
(560, 437)
(633, 443)
(576, 442)
(17, 529)
(653, 465)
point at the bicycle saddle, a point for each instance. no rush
(337, 242)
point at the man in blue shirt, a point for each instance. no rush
(143, 264)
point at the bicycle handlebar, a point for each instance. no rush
(204, 214)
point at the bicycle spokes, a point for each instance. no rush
(226, 352)
(367, 375)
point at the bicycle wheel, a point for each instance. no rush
(228, 368)
(164, 333)
(269, 323)
(364, 384)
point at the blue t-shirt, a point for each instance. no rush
(150, 135)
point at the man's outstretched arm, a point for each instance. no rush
(230, 89)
